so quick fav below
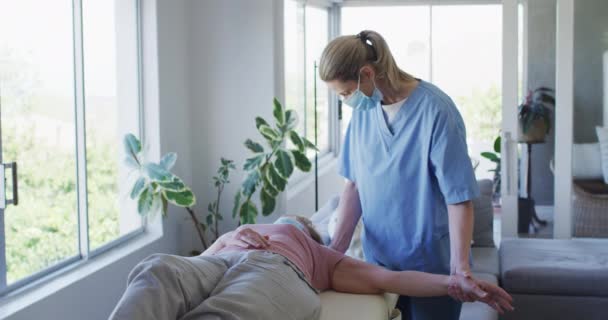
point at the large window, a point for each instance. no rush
(306, 34)
(69, 91)
(457, 47)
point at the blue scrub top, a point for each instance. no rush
(406, 179)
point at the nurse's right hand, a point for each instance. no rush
(469, 289)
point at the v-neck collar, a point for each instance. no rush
(397, 125)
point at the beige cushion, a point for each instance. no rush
(346, 306)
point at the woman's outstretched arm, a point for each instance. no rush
(355, 276)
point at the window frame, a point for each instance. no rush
(333, 122)
(84, 251)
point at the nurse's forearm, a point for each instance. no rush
(349, 213)
(461, 233)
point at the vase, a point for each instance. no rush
(536, 132)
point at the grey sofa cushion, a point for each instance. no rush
(479, 310)
(483, 229)
(555, 267)
(485, 260)
(539, 307)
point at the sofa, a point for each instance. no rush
(556, 279)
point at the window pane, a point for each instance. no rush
(467, 65)
(306, 34)
(294, 61)
(112, 110)
(406, 30)
(37, 98)
(316, 40)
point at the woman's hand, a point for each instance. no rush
(465, 288)
(245, 237)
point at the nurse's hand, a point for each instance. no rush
(469, 289)
(463, 288)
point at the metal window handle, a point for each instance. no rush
(3, 201)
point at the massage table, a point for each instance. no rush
(347, 306)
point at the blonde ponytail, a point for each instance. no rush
(344, 56)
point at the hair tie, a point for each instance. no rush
(363, 37)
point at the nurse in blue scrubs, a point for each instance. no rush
(408, 173)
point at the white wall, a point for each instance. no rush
(233, 60)
(231, 78)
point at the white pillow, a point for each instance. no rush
(355, 249)
(320, 219)
(587, 161)
(602, 136)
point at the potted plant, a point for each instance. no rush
(535, 115)
(495, 157)
(268, 171)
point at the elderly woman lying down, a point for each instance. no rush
(272, 271)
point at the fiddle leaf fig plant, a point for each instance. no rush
(156, 186)
(271, 165)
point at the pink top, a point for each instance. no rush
(316, 261)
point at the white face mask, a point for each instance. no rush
(359, 101)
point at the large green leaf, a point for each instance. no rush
(132, 146)
(291, 119)
(490, 156)
(277, 181)
(168, 160)
(268, 202)
(269, 133)
(254, 162)
(254, 146)
(309, 144)
(176, 184)
(250, 183)
(184, 198)
(237, 203)
(301, 160)
(267, 185)
(165, 206)
(138, 187)
(497, 144)
(259, 121)
(278, 112)
(296, 140)
(248, 212)
(157, 173)
(131, 163)
(144, 203)
(283, 163)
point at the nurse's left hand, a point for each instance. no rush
(464, 288)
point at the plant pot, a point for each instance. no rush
(536, 132)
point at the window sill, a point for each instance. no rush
(327, 163)
(36, 291)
